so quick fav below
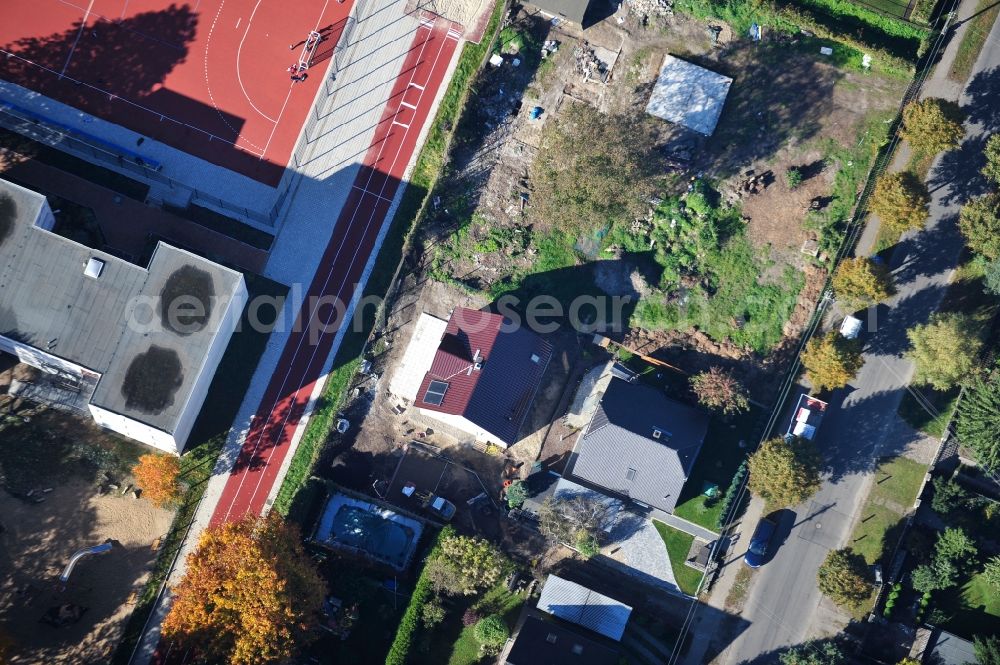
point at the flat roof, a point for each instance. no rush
(541, 641)
(118, 323)
(688, 95)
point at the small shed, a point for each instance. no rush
(688, 95)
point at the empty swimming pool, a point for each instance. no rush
(367, 528)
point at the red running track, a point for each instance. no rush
(209, 79)
(269, 439)
(366, 208)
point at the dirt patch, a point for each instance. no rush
(38, 540)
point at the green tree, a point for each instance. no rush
(516, 494)
(432, 613)
(831, 361)
(948, 496)
(991, 572)
(843, 577)
(465, 565)
(955, 545)
(860, 282)
(987, 650)
(979, 221)
(900, 201)
(817, 652)
(932, 125)
(934, 576)
(944, 350)
(784, 473)
(719, 391)
(977, 424)
(991, 277)
(491, 631)
(992, 154)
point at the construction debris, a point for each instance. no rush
(652, 7)
(754, 183)
(588, 65)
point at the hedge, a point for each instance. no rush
(422, 594)
(735, 485)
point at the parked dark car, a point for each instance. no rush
(760, 543)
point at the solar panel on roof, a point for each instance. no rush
(435, 392)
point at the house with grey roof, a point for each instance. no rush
(140, 344)
(552, 643)
(637, 443)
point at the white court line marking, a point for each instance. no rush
(112, 96)
(208, 87)
(378, 196)
(288, 96)
(124, 10)
(407, 105)
(397, 122)
(312, 314)
(275, 128)
(83, 26)
(418, 87)
(239, 70)
(237, 28)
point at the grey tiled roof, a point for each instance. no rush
(620, 452)
(571, 10)
(578, 604)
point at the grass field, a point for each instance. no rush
(455, 644)
(895, 8)
(975, 609)
(919, 418)
(678, 545)
(897, 481)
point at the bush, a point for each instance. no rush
(831, 361)
(433, 613)
(516, 494)
(157, 476)
(944, 349)
(979, 221)
(860, 282)
(491, 631)
(794, 177)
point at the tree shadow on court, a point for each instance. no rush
(130, 58)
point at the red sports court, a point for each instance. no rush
(209, 77)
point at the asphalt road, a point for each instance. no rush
(783, 607)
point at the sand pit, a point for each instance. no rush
(38, 540)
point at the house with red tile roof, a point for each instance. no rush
(477, 372)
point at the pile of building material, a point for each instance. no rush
(652, 7)
(754, 183)
(588, 65)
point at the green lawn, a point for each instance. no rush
(917, 416)
(455, 644)
(897, 481)
(975, 609)
(678, 545)
(717, 462)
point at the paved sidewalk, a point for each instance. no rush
(682, 524)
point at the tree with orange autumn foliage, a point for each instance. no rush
(250, 594)
(157, 475)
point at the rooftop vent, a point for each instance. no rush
(578, 649)
(551, 638)
(661, 434)
(535, 358)
(94, 268)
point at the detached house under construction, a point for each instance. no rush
(476, 372)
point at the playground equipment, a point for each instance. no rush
(79, 554)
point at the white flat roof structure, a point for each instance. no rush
(688, 95)
(418, 356)
(578, 604)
